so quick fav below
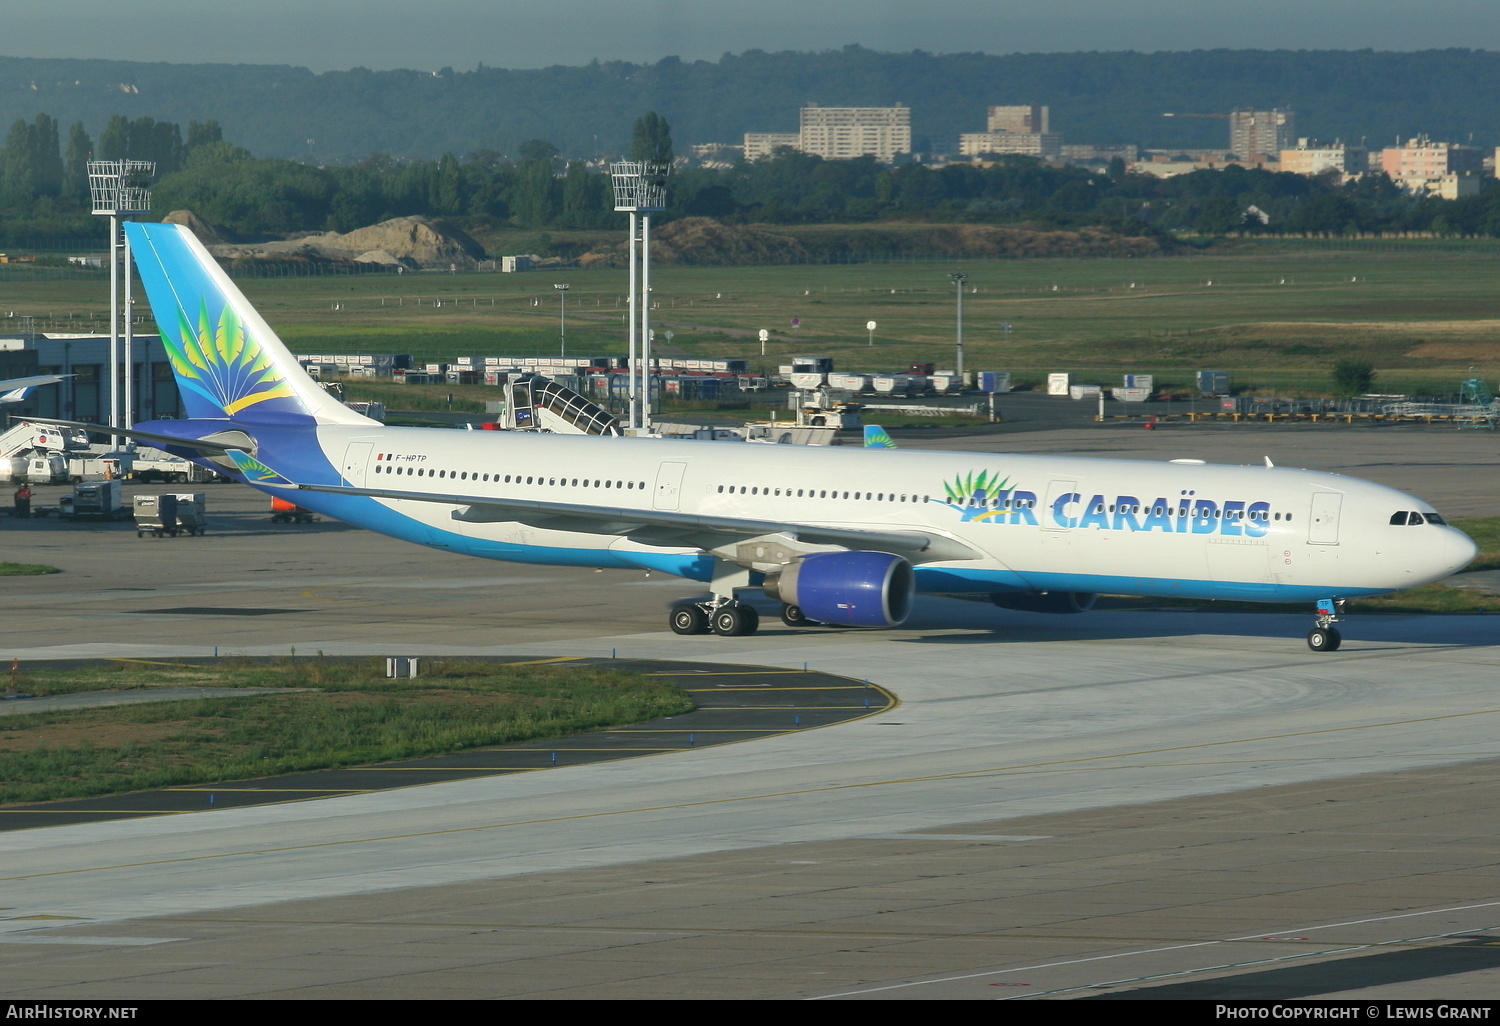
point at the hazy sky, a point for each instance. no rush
(428, 34)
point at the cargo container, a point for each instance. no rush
(1213, 382)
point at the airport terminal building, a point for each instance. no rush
(85, 396)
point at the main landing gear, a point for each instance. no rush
(728, 618)
(1325, 636)
(721, 614)
(793, 616)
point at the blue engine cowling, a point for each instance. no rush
(1045, 601)
(852, 589)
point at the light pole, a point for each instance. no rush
(640, 187)
(118, 190)
(960, 280)
(562, 320)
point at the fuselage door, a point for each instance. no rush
(356, 459)
(1323, 527)
(1062, 509)
(668, 485)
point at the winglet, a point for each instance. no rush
(257, 472)
(876, 438)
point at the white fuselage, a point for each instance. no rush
(1032, 522)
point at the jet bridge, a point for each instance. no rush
(537, 403)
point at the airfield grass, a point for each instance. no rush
(25, 569)
(345, 712)
(1277, 315)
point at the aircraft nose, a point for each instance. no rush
(1459, 550)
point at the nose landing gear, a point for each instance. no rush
(1325, 637)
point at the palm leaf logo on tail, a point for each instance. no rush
(223, 364)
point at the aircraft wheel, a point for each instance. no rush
(793, 616)
(734, 621)
(1324, 639)
(689, 619)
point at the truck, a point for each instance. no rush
(151, 466)
(42, 468)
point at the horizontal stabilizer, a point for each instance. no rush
(255, 471)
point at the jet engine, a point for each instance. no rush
(1045, 601)
(851, 589)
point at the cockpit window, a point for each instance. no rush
(1416, 518)
(1399, 518)
(1433, 518)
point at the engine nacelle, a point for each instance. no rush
(852, 589)
(1045, 601)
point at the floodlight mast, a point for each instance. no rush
(118, 191)
(640, 187)
(960, 280)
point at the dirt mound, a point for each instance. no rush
(425, 242)
(702, 241)
(416, 242)
(206, 233)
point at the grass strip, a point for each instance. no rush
(26, 569)
(352, 716)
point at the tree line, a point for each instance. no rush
(339, 117)
(44, 190)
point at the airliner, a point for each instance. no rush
(838, 536)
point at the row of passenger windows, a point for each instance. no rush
(464, 475)
(1411, 518)
(1236, 514)
(814, 493)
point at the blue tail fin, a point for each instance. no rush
(876, 438)
(227, 360)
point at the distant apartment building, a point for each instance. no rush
(1424, 167)
(1020, 128)
(1084, 153)
(1183, 162)
(1027, 118)
(1262, 133)
(1310, 157)
(763, 144)
(839, 133)
(1046, 145)
(716, 155)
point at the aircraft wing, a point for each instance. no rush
(231, 438)
(651, 527)
(13, 390)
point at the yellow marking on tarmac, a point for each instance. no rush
(312, 595)
(729, 673)
(735, 800)
(706, 730)
(156, 662)
(18, 919)
(276, 791)
(539, 662)
(754, 687)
